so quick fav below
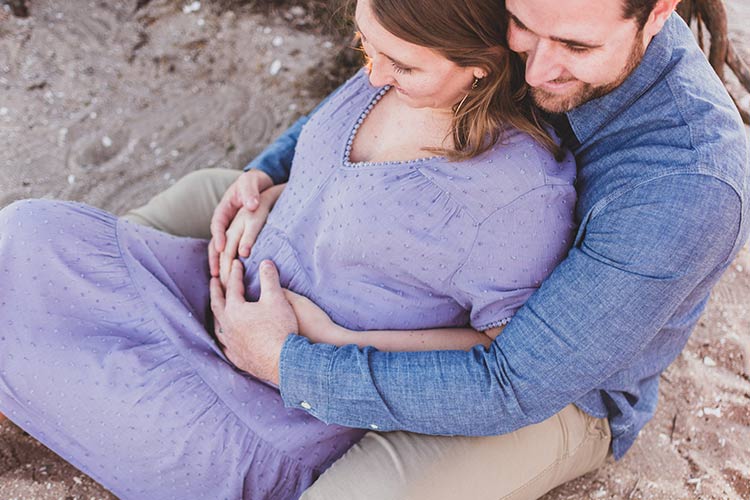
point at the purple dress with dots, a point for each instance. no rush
(105, 355)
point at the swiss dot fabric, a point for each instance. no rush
(105, 355)
(104, 358)
(416, 244)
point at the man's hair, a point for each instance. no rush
(639, 10)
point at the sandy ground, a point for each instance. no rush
(108, 104)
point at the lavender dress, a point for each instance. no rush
(105, 355)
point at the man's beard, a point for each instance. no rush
(556, 103)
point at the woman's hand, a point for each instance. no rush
(242, 232)
(314, 323)
(244, 192)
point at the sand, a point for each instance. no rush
(105, 103)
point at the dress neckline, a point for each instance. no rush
(374, 100)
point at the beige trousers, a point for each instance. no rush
(524, 464)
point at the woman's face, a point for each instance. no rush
(421, 77)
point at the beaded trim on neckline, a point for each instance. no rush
(353, 134)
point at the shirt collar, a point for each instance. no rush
(587, 119)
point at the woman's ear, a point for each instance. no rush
(479, 73)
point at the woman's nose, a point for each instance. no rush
(380, 72)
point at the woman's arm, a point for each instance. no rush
(438, 339)
(317, 326)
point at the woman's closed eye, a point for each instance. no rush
(400, 69)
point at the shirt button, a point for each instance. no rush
(373, 426)
(306, 405)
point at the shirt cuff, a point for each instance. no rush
(303, 375)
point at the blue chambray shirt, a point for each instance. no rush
(663, 186)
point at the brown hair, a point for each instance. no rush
(471, 33)
(639, 10)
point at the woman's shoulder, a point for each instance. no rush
(515, 166)
(358, 85)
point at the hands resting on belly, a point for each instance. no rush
(253, 333)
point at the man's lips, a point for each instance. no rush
(556, 87)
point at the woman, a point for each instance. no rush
(409, 185)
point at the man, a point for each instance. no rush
(663, 186)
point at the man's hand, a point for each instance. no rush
(245, 192)
(253, 333)
(314, 323)
(242, 233)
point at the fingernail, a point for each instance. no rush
(266, 264)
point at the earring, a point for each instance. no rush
(474, 86)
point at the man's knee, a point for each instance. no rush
(208, 178)
(185, 209)
(524, 464)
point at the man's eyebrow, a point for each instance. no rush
(566, 41)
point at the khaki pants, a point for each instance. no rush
(400, 465)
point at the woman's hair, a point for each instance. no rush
(471, 33)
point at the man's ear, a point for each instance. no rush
(662, 10)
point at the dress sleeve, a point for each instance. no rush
(515, 249)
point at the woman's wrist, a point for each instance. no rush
(341, 336)
(264, 181)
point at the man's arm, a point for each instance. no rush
(641, 257)
(276, 159)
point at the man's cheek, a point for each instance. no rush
(515, 39)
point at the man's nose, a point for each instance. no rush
(543, 63)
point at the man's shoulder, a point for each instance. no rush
(673, 113)
(684, 122)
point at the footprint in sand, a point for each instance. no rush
(97, 149)
(221, 126)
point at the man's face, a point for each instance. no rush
(575, 50)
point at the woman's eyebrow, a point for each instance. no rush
(393, 59)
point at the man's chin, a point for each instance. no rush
(555, 103)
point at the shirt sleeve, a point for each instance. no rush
(642, 255)
(276, 159)
(516, 247)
